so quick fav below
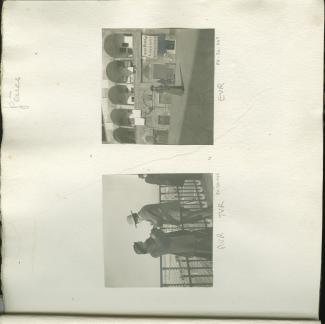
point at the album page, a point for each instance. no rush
(162, 158)
(41, 319)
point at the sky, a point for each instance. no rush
(124, 268)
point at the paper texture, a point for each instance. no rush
(266, 158)
(29, 319)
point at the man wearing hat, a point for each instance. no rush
(195, 243)
(168, 213)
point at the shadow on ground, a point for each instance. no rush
(197, 128)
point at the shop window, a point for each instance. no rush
(170, 44)
(125, 49)
(161, 137)
(127, 63)
(164, 120)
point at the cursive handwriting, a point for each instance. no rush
(14, 96)
(221, 91)
(218, 52)
(217, 184)
(221, 241)
(16, 91)
(221, 209)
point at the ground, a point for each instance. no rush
(192, 112)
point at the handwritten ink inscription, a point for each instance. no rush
(218, 51)
(221, 91)
(14, 96)
(220, 205)
(221, 209)
(221, 242)
(217, 183)
(220, 86)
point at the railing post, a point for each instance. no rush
(194, 267)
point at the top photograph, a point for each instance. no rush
(158, 86)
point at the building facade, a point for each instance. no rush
(138, 67)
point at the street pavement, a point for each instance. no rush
(192, 112)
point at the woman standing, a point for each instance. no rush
(197, 243)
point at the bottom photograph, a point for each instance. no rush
(158, 230)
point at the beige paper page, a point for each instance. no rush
(264, 166)
(29, 319)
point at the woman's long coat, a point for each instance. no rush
(185, 243)
(162, 213)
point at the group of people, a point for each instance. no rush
(187, 243)
(184, 243)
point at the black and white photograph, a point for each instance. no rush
(158, 86)
(158, 230)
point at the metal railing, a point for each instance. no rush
(180, 271)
